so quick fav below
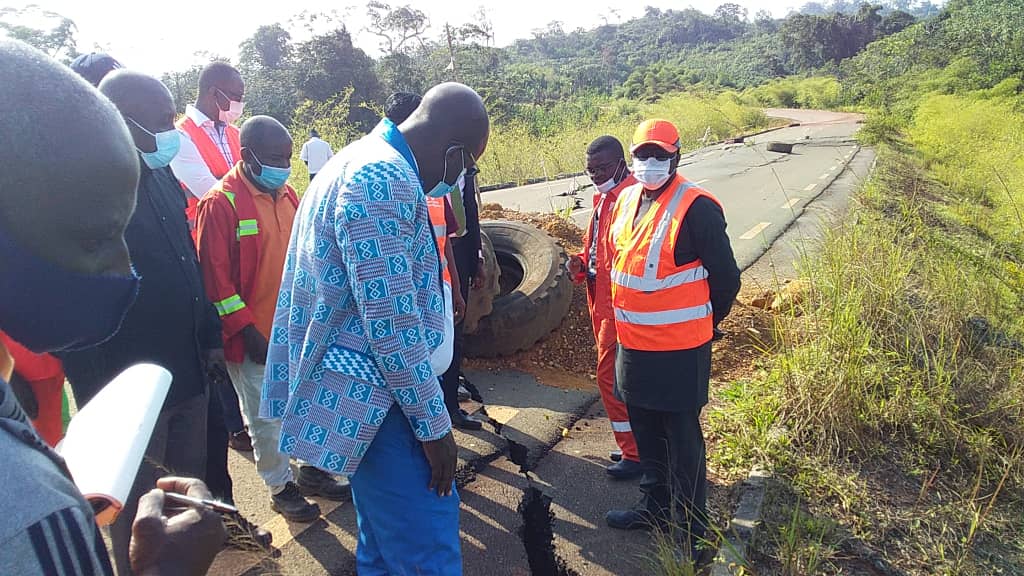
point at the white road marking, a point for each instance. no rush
(699, 182)
(753, 232)
(810, 187)
(823, 176)
(791, 203)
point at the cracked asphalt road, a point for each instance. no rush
(762, 191)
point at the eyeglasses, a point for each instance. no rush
(602, 167)
(653, 152)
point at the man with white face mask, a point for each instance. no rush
(209, 142)
(673, 279)
(209, 149)
(607, 168)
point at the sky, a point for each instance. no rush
(156, 37)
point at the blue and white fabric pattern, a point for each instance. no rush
(360, 310)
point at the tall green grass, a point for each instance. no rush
(886, 368)
(816, 92)
(554, 142)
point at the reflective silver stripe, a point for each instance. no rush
(653, 256)
(621, 426)
(651, 285)
(628, 196)
(664, 318)
(440, 231)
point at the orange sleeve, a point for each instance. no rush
(216, 228)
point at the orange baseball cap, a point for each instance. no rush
(659, 132)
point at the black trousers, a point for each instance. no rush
(217, 477)
(672, 455)
(465, 257)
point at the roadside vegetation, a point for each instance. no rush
(889, 405)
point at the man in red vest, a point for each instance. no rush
(209, 148)
(606, 166)
(673, 278)
(244, 225)
(210, 143)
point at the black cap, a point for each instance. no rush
(94, 66)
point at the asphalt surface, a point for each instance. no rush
(565, 432)
(762, 191)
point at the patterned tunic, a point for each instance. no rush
(360, 309)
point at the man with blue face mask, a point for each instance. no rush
(360, 314)
(67, 284)
(171, 323)
(673, 279)
(244, 224)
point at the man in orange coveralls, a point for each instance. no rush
(607, 168)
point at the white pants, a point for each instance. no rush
(272, 465)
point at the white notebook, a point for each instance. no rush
(107, 439)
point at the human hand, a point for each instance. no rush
(255, 344)
(480, 279)
(443, 456)
(575, 267)
(185, 544)
(458, 307)
(215, 365)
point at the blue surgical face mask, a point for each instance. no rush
(270, 177)
(168, 143)
(49, 309)
(442, 188)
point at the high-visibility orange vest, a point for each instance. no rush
(658, 306)
(213, 158)
(436, 209)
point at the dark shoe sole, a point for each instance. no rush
(308, 491)
(303, 518)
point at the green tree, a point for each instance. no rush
(56, 38)
(328, 64)
(184, 86)
(268, 67)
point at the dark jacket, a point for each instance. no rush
(171, 322)
(678, 380)
(467, 248)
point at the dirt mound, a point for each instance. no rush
(567, 358)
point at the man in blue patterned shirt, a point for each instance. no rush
(360, 311)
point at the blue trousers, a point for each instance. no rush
(404, 528)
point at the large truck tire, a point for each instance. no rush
(481, 298)
(535, 294)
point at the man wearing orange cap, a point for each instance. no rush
(673, 278)
(607, 168)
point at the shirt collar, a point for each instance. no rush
(390, 133)
(196, 115)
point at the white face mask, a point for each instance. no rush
(607, 186)
(234, 112)
(652, 173)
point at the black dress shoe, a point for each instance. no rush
(625, 470)
(615, 455)
(635, 519)
(312, 481)
(464, 421)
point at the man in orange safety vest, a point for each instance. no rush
(673, 279)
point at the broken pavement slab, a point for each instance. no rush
(534, 416)
(739, 536)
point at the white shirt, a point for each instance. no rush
(316, 153)
(189, 166)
